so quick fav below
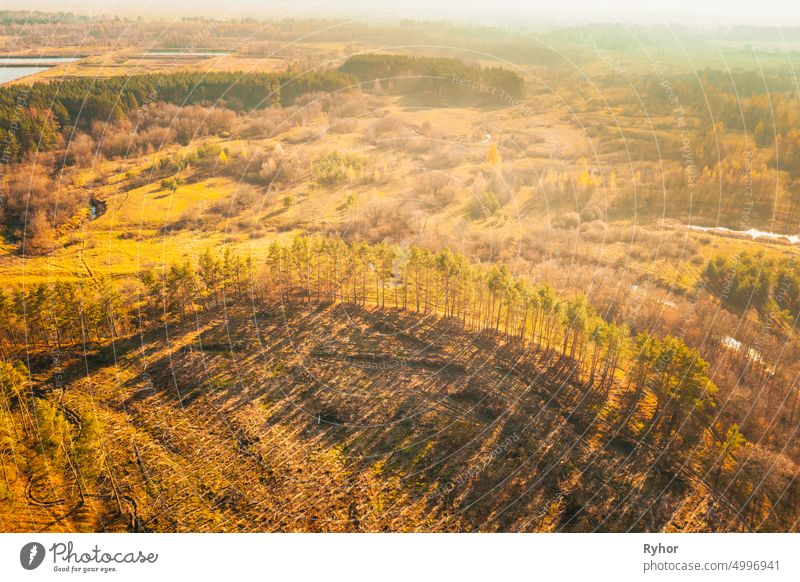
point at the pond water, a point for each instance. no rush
(10, 73)
(35, 61)
(751, 233)
(737, 346)
(12, 68)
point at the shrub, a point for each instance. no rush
(337, 168)
(484, 205)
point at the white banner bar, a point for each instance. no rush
(370, 557)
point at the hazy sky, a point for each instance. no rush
(518, 12)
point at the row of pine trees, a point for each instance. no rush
(317, 269)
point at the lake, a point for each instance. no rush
(35, 61)
(10, 73)
(12, 68)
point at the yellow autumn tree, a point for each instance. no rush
(493, 157)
